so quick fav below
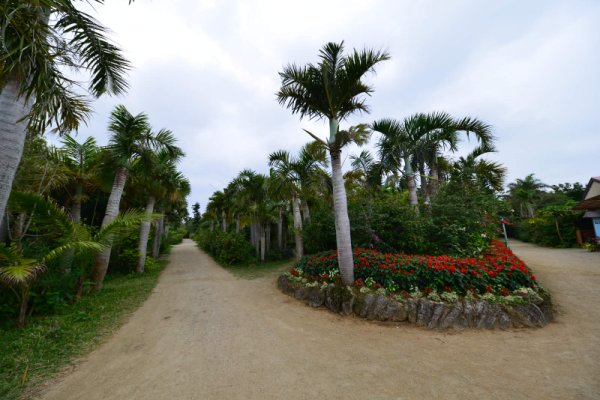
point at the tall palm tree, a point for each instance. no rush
(333, 89)
(131, 140)
(81, 160)
(487, 174)
(38, 39)
(153, 175)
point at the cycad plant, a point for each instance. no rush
(19, 272)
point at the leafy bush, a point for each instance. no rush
(497, 270)
(226, 247)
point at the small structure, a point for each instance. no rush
(591, 204)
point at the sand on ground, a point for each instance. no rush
(205, 334)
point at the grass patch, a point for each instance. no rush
(256, 270)
(48, 343)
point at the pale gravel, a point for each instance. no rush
(204, 334)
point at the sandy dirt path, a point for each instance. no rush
(204, 334)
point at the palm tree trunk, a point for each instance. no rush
(224, 224)
(268, 236)
(412, 185)
(112, 210)
(280, 230)
(23, 307)
(158, 236)
(305, 212)
(434, 180)
(297, 226)
(76, 207)
(263, 242)
(144, 233)
(342, 222)
(12, 137)
(237, 224)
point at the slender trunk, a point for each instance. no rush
(112, 210)
(422, 179)
(268, 236)
(224, 223)
(256, 229)
(297, 226)
(263, 241)
(12, 137)
(342, 222)
(434, 180)
(558, 230)
(412, 185)
(280, 230)
(237, 224)
(144, 233)
(76, 207)
(3, 229)
(305, 212)
(158, 236)
(79, 287)
(19, 227)
(212, 226)
(23, 307)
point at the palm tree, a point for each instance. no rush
(524, 194)
(38, 40)
(131, 140)
(153, 175)
(332, 89)
(487, 174)
(81, 161)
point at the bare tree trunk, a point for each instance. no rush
(434, 181)
(224, 223)
(256, 229)
(305, 212)
(3, 229)
(297, 226)
(112, 210)
(12, 137)
(280, 230)
(237, 224)
(342, 222)
(144, 233)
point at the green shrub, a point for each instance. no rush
(226, 247)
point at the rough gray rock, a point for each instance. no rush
(529, 315)
(438, 312)
(301, 292)
(424, 312)
(411, 310)
(378, 310)
(316, 297)
(364, 304)
(398, 311)
(451, 316)
(333, 300)
(469, 313)
(481, 312)
(347, 306)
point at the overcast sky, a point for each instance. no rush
(208, 70)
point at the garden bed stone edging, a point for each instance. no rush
(423, 312)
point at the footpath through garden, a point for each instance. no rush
(204, 334)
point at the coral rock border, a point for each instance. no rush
(422, 312)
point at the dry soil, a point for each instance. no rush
(205, 334)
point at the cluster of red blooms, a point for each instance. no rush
(497, 267)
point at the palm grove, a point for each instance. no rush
(409, 196)
(63, 208)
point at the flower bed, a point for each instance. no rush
(496, 290)
(498, 271)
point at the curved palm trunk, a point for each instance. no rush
(342, 222)
(144, 234)
(12, 137)
(112, 210)
(297, 226)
